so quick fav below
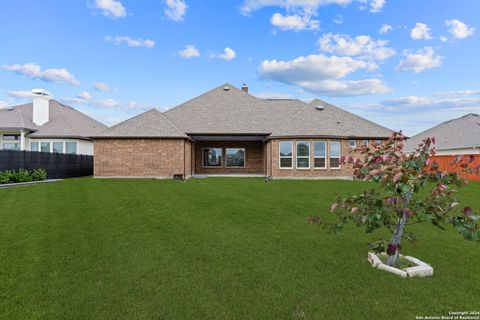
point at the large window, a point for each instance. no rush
(212, 157)
(45, 146)
(320, 155)
(235, 157)
(57, 147)
(286, 154)
(34, 146)
(303, 154)
(12, 142)
(71, 147)
(11, 146)
(335, 154)
(11, 137)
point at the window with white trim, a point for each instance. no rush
(11, 142)
(352, 143)
(34, 146)
(57, 147)
(335, 154)
(45, 146)
(285, 154)
(303, 154)
(378, 142)
(365, 142)
(70, 147)
(320, 155)
(212, 157)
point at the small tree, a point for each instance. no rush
(401, 177)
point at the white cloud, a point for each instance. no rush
(458, 29)
(34, 71)
(131, 42)
(84, 95)
(19, 94)
(386, 28)
(176, 9)
(250, 6)
(421, 32)
(458, 93)
(108, 103)
(227, 55)
(362, 46)
(338, 19)
(3, 105)
(294, 22)
(419, 61)
(111, 8)
(443, 39)
(273, 95)
(345, 88)
(101, 86)
(376, 5)
(319, 74)
(312, 68)
(189, 52)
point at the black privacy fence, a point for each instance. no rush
(57, 165)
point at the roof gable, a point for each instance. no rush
(319, 118)
(463, 132)
(229, 110)
(150, 124)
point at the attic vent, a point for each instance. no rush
(319, 107)
(226, 88)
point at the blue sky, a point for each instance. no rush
(404, 64)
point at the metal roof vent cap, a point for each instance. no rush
(40, 92)
(319, 107)
(226, 88)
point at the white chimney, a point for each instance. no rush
(41, 112)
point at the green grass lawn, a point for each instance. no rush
(215, 248)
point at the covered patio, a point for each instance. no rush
(220, 155)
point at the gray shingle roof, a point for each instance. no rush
(232, 111)
(150, 124)
(463, 132)
(64, 121)
(330, 121)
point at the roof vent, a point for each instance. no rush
(319, 107)
(226, 88)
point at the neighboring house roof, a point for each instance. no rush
(463, 132)
(319, 118)
(64, 121)
(150, 124)
(232, 111)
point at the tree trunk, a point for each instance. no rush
(397, 235)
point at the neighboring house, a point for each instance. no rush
(456, 136)
(227, 131)
(46, 125)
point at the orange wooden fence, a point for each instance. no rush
(444, 163)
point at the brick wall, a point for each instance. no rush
(254, 157)
(188, 159)
(160, 158)
(343, 171)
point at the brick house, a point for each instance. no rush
(227, 131)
